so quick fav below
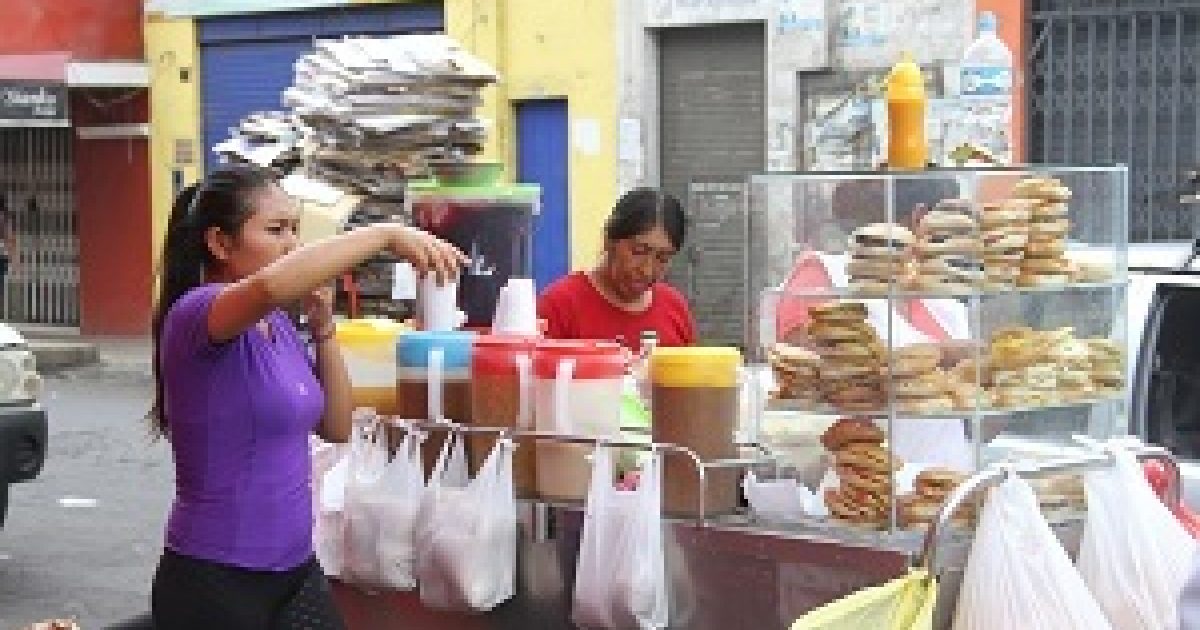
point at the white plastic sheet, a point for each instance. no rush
(620, 579)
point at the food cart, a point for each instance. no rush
(1030, 265)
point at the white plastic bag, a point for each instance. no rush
(329, 493)
(1135, 556)
(394, 505)
(621, 578)
(366, 464)
(778, 500)
(1018, 575)
(466, 531)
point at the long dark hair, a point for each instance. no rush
(641, 210)
(222, 200)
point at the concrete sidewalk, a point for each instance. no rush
(62, 349)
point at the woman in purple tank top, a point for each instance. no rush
(238, 393)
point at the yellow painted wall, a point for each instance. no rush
(174, 113)
(552, 49)
(541, 48)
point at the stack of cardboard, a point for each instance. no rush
(380, 110)
(272, 139)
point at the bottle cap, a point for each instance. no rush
(905, 80)
(987, 22)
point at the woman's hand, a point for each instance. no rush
(426, 252)
(318, 307)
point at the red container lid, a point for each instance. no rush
(593, 359)
(496, 354)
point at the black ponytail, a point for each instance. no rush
(223, 200)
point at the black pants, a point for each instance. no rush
(191, 594)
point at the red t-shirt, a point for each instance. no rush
(574, 309)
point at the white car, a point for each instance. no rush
(23, 429)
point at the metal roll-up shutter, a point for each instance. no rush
(246, 62)
(712, 89)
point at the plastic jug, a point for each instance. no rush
(694, 402)
(433, 382)
(369, 350)
(906, 115)
(502, 397)
(577, 391)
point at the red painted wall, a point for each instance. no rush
(88, 29)
(112, 177)
(112, 204)
(1012, 16)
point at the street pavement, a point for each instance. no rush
(82, 540)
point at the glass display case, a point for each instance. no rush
(932, 323)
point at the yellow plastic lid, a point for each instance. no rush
(368, 330)
(695, 366)
(905, 82)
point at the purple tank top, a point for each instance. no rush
(239, 415)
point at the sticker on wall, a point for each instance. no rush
(585, 136)
(629, 140)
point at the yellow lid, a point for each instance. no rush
(695, 366)
(368, 330)
(905, 82)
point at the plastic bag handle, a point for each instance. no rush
(434, 385)
(562, 394)
(524, 382)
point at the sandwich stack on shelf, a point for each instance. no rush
(878, 257)
(852, 356)
(1045, 263)
(948, 250)
(864, 469)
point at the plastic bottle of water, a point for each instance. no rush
(986, 88)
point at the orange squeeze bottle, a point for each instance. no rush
(906, 115)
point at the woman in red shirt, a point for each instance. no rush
(624, 295)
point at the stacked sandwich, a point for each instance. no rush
(864, 468)
(1107, 365)
(852, 356)
(1004, 236)
(797, 373)
(1045, 263)
(879, 255)
(1019, 373)
(918, 385)
(948, 249)
(930, 490)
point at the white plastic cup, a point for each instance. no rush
(519, 302)
(438, 305)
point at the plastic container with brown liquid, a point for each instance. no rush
(502, 398)
(694, 404)
(433, 382)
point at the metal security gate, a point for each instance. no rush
(712, 92)
(1117, 81)
(42, 284)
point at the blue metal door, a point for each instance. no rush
(246, 61)
(542, 159)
